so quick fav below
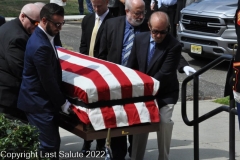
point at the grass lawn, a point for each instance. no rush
(12, 8)
(224, 100)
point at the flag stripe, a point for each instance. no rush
(72, 91)
(132, 114)
(103, 93)
(153, 109)
(109, 117)
(116, 71)
(115, 92)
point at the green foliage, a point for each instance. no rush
(12, 8)
(17, 137)
(224, 100)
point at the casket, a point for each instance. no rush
(106, 95)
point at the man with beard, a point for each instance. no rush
(14, 36)
(157, 53)
(40, 95)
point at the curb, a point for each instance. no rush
(66, 18)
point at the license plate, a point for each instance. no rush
(196, 49)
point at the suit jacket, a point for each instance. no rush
(40, 89)
(162, 65)
(112, 39)
(88, 23)
(12, 47)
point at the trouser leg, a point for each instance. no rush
(139, 144)
(49, 137)
(119, 147)
(164, 134)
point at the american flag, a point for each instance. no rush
(91, 80)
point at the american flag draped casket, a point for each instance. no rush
(107, 95)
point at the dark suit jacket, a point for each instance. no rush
(40, 89)
(88, 23)
(112, 38)
(12, 47)
(163, 65)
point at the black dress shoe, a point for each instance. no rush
(86, 148)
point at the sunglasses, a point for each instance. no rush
(35, 23)
(57, 24)
(159, 32)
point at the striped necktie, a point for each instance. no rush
(128, 48)
(93, 38)
(150, 55)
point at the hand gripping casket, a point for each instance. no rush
(106, 95)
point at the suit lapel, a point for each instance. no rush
(143, 50)
(119, 37)
(158, 54)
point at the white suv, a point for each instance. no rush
(206, 28)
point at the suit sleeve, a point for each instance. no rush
(46, 72)
(83, 43)
(169, 65)
(103, 50)
(182, 63)
(15, 56)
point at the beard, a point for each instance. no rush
(49, 30)
(135, 22)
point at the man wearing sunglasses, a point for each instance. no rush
(40, 95)
(157, 53)
(14, 36)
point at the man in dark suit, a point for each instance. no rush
(157, 53)
(40, 95)
(14, 36)
(87, 40)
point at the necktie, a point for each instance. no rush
(93, 38)
(151, 52)
(128, 48)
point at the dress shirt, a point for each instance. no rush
(102, 17)
(51, 39)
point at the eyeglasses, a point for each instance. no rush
(137, 14)
(159, 32)
(57, 24)
(35, 23)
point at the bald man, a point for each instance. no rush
(14, 36)
(157, 53)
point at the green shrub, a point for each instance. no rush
(17, 137)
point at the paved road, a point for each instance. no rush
(211, 83)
